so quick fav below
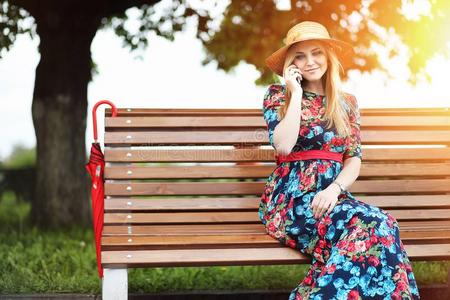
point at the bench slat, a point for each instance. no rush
(261, 154)
(177, 172)
(156, 230)
(136, 204)
(408, 186)
(233, 241)
(248, 217)
(238, 229)
(203, 257)
(193, 111)
(242, 171)
(198, 241)
(260, 137)
(182, 217)
(176, 121)
(181, 204)
(400, 111)
(241, 256)
(425, 225)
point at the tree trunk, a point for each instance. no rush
(59, 112)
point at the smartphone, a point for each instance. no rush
(298, 79)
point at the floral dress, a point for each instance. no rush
(356, 249)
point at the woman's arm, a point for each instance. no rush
(352, 154)
(348, 174)
(325, 200)
(285, 134)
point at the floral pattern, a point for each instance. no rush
(356, 249)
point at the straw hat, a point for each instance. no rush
(305, 31)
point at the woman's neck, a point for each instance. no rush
(314, 86)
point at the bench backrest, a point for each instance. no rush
(201, 167)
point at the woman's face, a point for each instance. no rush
(311, 59)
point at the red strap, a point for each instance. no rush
(309, 154)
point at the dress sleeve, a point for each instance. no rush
(353, 142)
(273, 101)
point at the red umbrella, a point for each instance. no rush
(95, 168)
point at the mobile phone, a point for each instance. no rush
(298, 79)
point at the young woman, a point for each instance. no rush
(315, 129)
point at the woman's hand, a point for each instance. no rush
(325, 201)
(290, 77)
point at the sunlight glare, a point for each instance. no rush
(414, 9)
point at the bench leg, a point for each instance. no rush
(115, 284)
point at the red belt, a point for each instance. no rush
(309, 154)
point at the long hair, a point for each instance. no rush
(335, 113)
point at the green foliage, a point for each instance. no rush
(12, 23)
(427, 35)
(21, 157)
(13, 214)
(17, 172)
(253, 29)
(431, 272)
(164, 18)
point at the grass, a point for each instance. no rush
(35, 261)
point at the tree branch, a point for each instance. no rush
(107, 7)
(114, 7)
(30, 6)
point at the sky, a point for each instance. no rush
(166, 79)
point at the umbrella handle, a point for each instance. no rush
(94, 114)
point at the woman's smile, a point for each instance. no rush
(312, 70)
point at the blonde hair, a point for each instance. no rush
(335, 113)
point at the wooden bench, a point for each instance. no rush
(167, 203)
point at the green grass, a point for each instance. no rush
(35, 261)
(38, 262)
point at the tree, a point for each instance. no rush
(66, 29)
(250, 31)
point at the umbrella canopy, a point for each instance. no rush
(96, 168)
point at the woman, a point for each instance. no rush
(315, 129)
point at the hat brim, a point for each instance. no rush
(275, 61)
